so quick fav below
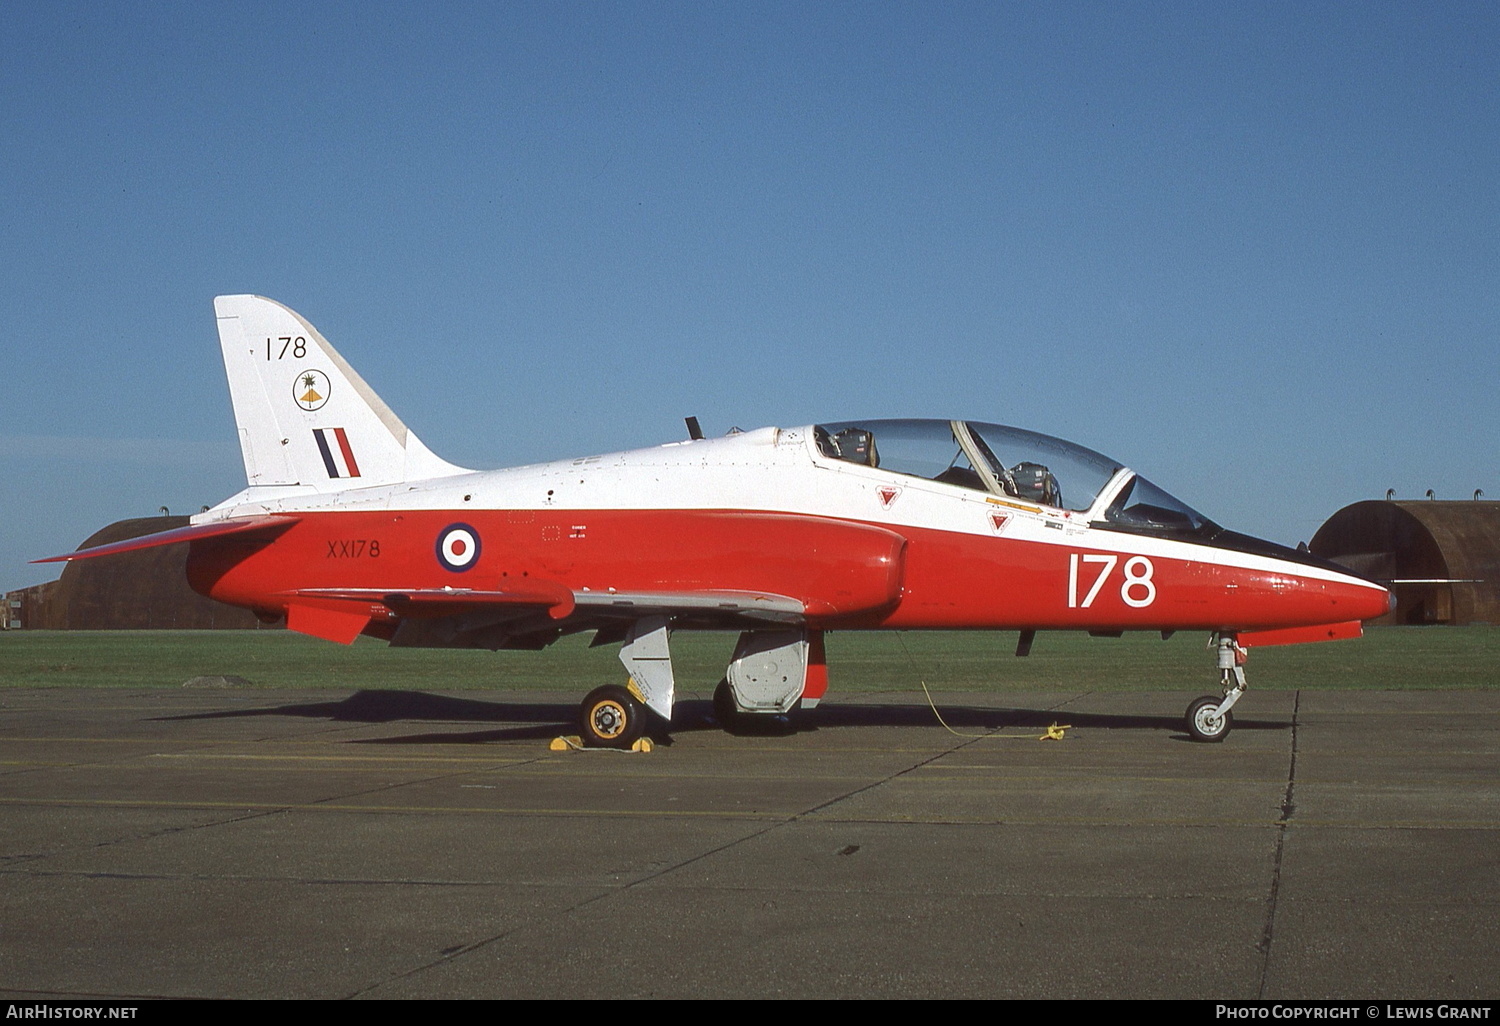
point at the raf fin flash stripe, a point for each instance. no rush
(338, 457)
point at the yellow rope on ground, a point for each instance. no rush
(573, 742)
(1053, 733)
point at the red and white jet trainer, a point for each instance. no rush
(350, 526)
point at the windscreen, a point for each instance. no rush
(1141, 506)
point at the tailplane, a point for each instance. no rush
(306, 417)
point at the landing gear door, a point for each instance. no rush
(768, 671)
(648, 658)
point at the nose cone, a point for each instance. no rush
(1359, 599)
(1295, 588)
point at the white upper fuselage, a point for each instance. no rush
(765, 470)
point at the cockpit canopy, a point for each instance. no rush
(1012, 462)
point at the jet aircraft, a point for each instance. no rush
(349, 525)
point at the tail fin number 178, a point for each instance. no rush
(297, 346)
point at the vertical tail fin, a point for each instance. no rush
(305, 416)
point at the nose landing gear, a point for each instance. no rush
(1208, 718)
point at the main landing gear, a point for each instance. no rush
(773, 672)
(1209, 718)
(611, 717)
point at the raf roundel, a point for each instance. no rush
(458, 547)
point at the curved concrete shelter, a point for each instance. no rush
(1444, 557)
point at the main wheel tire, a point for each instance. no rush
(611, 717)
(1205, 723)
(733, 720)
(725, 711)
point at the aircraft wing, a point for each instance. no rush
(635, 604)
(428, 603)
(193, 532)
(562, 602)
(529, 614)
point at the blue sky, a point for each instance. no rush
(1248, 249)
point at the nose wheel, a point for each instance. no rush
(1206, 721)
(611, 717)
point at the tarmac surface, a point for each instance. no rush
(250, 844)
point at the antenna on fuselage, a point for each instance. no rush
(695, 433)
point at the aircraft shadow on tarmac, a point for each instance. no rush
(549, 719)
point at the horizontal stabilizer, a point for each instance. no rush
(271, 525)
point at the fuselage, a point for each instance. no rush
(859, 545)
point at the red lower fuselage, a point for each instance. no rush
(846, 574)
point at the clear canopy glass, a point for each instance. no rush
(1010, 461)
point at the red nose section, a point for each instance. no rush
(1351, 600)
(1343, 599)
(1291, 597)
(1370, 602)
